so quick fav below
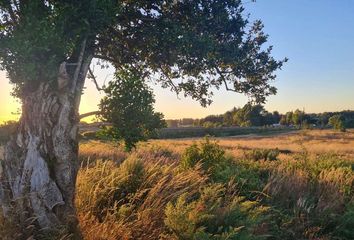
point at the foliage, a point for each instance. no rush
(128, 201)
(299, 196)
(128, 105)
(346, 224)
(209, 155)
(255, 115)
(247, 116)
(184, 41)
(320, 190)
(37, 36)
(262, 154)
(297, 117)
(337, 122)
(216, 214)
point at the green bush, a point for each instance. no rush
(209, 155)
(262, 154)
(218, 214)
(345, 228)
(337, 122)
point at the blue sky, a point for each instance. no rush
(316, 35)
(318, 38)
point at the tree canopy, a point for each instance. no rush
(192, 46)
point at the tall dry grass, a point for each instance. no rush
(93, 150)
(128, 202)
(307, 190)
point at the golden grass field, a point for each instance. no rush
(306, 193)
(314, 141)
(319, 157)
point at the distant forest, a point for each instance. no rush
(255, 115)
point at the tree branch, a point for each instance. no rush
(92, 76)
(224, 80)
(171, 83)
(79, 64)
(89, 114)
(103, 58)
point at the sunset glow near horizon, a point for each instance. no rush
(317, 37)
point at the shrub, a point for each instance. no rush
(262, 154)
(210, 156)
(313, 192)
(345, 228)
(217, 214)
(307, 195)
(337, 122)
(250, 177)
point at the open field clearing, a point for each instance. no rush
(298, 185)
(295, 186)
(313, 141)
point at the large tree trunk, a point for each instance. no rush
(40, 164)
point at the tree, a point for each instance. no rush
(47, 47)
(276, 117)
(212, 120)
(337, 122)
(250, 115)
(297, 117)
(289, 118)
(128, 105)
(228, 117)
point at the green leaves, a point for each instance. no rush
(337, 122)
(128, 105)
(193, 47)
(216, 214)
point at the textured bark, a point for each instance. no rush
(41, 161)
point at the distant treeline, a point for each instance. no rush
(255, 115)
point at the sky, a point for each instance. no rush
(316, 35)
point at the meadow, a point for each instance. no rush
(290, 186)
